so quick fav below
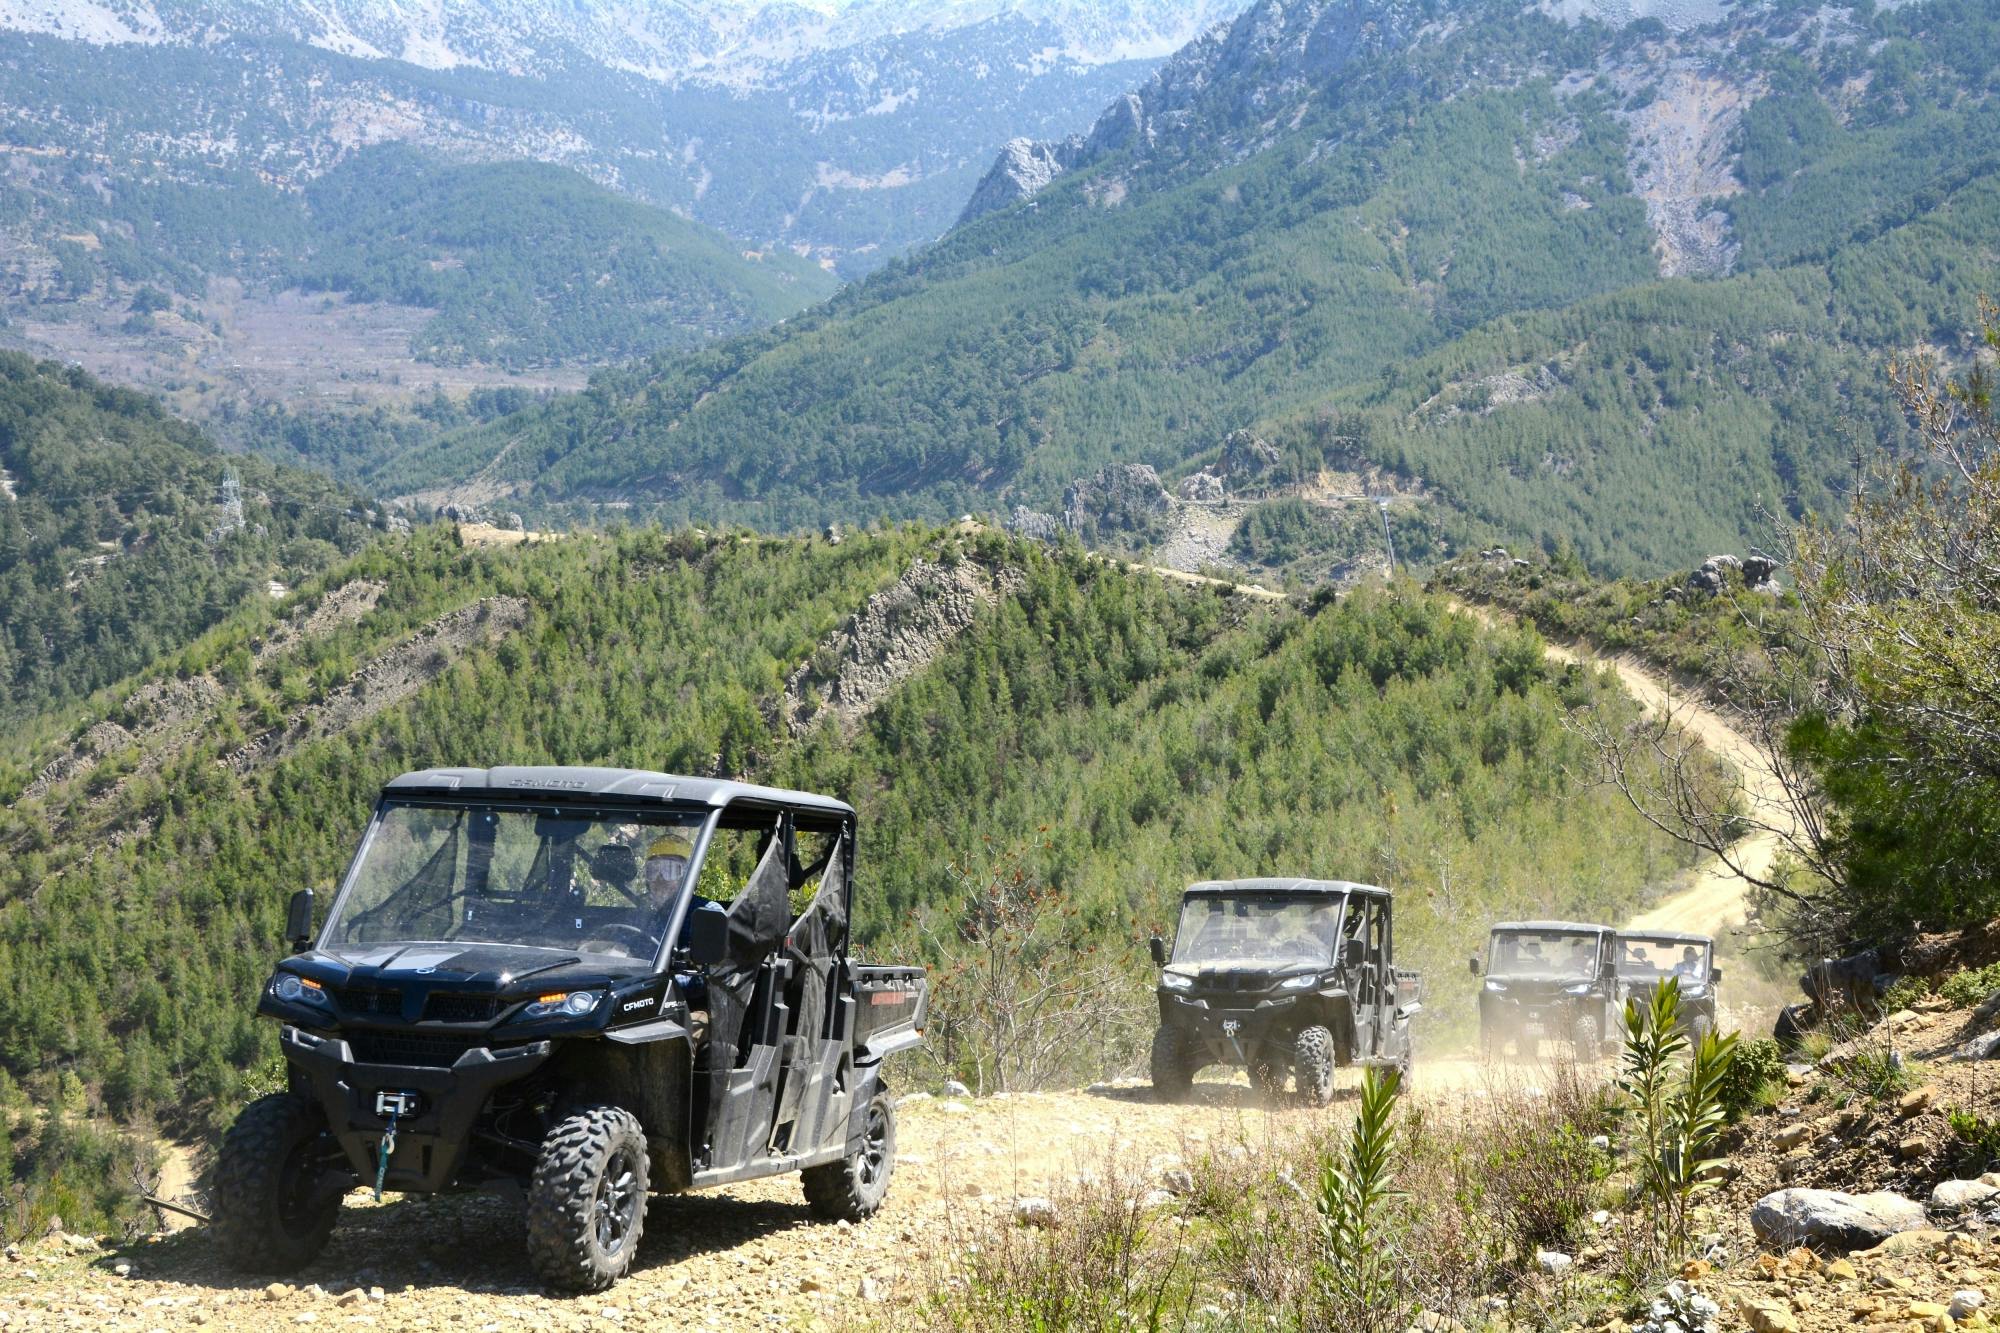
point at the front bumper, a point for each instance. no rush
(1233, 1031)
(431, 1144)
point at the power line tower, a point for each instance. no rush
(231, 506)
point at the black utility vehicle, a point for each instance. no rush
(1644, 959)
(1547, 980)
(1282, 977)
(521, 983)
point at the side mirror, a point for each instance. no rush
(1158, 948)
(299, 921)
(1715, 974)
(707, 936)
(1473, 963)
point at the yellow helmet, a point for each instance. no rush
(671, 845)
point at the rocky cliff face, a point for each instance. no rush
(1229, 83)
(1239, 86)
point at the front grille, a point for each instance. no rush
(445, 1008)
(1235, 981)
(370, 1002)
(431, 1050)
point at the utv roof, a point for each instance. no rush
(1553, 927)
(1282, 885)
(1678, 936)
(626, 784)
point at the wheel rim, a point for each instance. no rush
(616, 1204)
(874, 1146)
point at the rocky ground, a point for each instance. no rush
(1903, 1232)
(749, 1256)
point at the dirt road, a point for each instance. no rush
(1716, 898)
(750, 1256)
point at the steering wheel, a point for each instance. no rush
(646, 938)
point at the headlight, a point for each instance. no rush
(1495, 985)
(1176, 981)
(1581, 988)
(295, 989)
(1306, 982)
(574, 1004)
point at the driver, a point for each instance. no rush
(1690, 963)
(666, 874)
(666, 869)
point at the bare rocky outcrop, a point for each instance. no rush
(162, 715)
(1034, 524)
(343, 606)
(1202, 488)
(94, 746)
(1682, 158)
(389, 677)
(1248, 459)
(1123, 498)
(1023, 168)
(899, 632)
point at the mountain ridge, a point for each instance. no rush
(1533, 268)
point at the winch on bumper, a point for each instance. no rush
(432, 1137)
(1232, 1028)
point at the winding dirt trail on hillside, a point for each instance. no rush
(1715, 899)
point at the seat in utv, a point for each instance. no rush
(537, 978)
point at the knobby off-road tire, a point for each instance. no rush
(851, 1189)
(1312, 1061)
(1172, 1065)
(1584, 1041)
(587, 1202)
(275, 1200)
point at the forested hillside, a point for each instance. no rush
(529, 264)
(1109, 734)
(1626, 290)
(124, 533)
(522, 264)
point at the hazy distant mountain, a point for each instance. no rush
(847, 131)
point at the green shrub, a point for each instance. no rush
(1972, 987)
(1357, 1284)
(1978, 1139)
(1757, 1066)
(1675, 1086)
(1906, 993)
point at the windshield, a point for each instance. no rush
(1260, 928)
(1550, 954)
(1642, 957)
(592, 881)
